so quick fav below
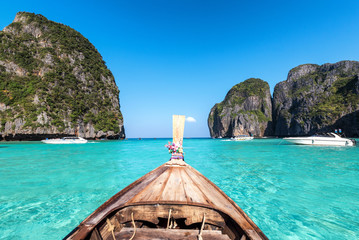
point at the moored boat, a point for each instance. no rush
(174, 201)
(242, 138)
(65, 140)
(323, 139)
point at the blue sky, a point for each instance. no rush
(182, 56)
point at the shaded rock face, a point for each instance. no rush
(318, 98)
(53, 82)
(246, 109)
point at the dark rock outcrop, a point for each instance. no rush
(246, 109)
(53, 82)
(318, 98)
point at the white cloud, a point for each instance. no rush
(190, 119)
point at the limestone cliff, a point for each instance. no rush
(318, 98)
(53, 82)
(246, 109)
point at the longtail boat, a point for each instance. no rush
(174, 201)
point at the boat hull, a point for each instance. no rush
(60, 142)
(320, 141)
(175, 197)
(243, 139)
(65, 141)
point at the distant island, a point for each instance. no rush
(313, 99)
(246, 109)
(54, 83)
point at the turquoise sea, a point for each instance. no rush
(289, 191)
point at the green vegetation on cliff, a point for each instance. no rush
(342, 96)
(47, 67)
(240, 92)
(250, 87)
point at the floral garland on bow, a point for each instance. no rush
(174, 148)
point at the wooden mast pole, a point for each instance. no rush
(178, 129)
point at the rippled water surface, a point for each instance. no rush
(289, 191)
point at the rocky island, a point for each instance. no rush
(53, 83)
(313, 99)
(246, 109)
(318, 98)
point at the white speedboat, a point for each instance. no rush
(242, 138)
(324, 139)
(65, 140)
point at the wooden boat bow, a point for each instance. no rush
(173, 201)
(174, 185)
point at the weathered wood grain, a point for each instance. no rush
(173, 190)
(151, 213)
(170, 234)
(153, 190)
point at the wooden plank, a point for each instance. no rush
(213, 198)
(174, 191)
(153, 190)
(105, 231)
(218, 200)
(193, 192)
(151, 213)
(95, 235)
(169, 234)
